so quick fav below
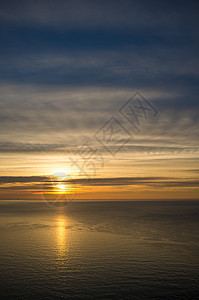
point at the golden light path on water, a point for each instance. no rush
(61, 235)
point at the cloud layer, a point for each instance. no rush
(67, 67)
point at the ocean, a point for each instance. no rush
(99, 250)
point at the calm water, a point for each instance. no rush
(100, 250)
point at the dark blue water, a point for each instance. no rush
(100, 250)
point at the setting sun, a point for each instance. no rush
(62, 188)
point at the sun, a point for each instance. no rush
(62, 188)
(62, 185)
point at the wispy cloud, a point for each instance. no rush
(66, 67)
(14, 179)
(138, 181)
(75, 13)
(114, 181)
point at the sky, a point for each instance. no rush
(99, 99)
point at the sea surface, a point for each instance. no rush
(99, 250)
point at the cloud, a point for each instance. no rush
(193, 171)
(47, 183)
(42, 119)
(10, 147)
(118, 181)
(125, 64)
(68, 66)
(24, 179)
(138, 181)
(75, 13)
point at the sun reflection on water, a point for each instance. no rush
(61, 236)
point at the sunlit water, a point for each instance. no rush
(100, 250)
